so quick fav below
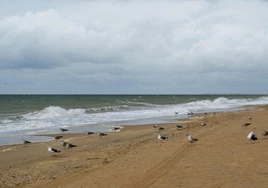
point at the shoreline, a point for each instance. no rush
(134, 157)
(40, 136)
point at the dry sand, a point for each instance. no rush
(135, 158)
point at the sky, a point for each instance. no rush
(133, 47)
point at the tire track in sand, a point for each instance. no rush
(161, 168)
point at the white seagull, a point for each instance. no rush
(203, 124)
(191, 139)
(162, 137)
(52, 150)
(252, 137)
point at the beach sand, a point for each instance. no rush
(135, 158)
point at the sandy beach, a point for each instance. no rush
(135, 158)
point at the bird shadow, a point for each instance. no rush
(57, 156)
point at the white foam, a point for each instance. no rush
(56, 116)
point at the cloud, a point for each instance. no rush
(134, 46)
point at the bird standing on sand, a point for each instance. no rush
(162, 137)
(117, 129)
(63, 130)
(203, 124)
(161, 128)
(246, 124)
(69, 145)
(191, 139)
(89, 133)
(52, 150)
(264, 132)
(102, 134)
(57, 137)
(26, 141)
(249, 118)
(252, 137)
(179, 127)
(190, 114)
(63, 143)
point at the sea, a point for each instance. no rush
(23, 116)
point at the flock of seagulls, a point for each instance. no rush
(67, 144)
(251, 136)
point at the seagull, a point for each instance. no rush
(203, 124)
(190, 113)
(264, 132)
(89, 133)
(102, 134)
(26, 141)
(63, 143)
(176, 112)
(191, 139)
(161, 128)
(251, 136)
(162, 137)
(52, 150)
(246, 124)
(69, 145)
(57, 137)
(116, 128)
(63, 130)
(179, 127)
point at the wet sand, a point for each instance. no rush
(135, 158)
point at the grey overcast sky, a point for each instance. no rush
(133, 47)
